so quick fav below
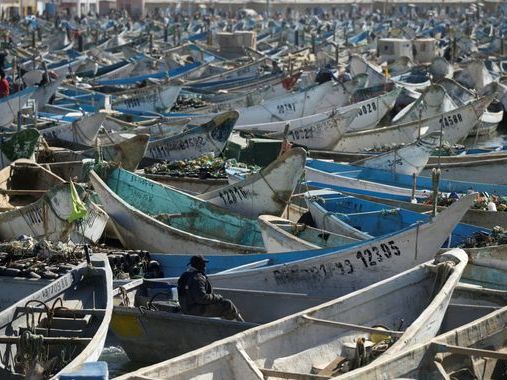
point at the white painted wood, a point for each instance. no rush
(316, 175)
(47, 218)
(455, 125)
(137, 229)
(282, 235)
(10, 106)
(195, 142)
(157, 98)
(82, 132)
(265, 192)
(409, 159)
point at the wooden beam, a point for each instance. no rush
(22, 192)
(291, 375)
(64, 312)
(4, 339)
(468, 351)
(352, 326)
(441, 370)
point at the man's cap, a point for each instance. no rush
(198, 259)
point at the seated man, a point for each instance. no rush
(196, 296)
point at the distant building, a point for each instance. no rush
(135, 8)
(78, 7)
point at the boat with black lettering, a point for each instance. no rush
(455, 125)
(52, 216)
(158, 218)
(157, 98)
(338, 336)
(265, 192)
(338, 271)
(59, 327)
(210, 137)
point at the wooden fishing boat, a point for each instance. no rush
(476, 217)
(12, 104)
(81, 133)
(282, 235)
(409, 159)
(158, 98)
(265, 192)
(433, 101)
(476, 349)
(194, 142)
(24, 182)
(318, 135)
(334, 272)
(315, 99)
(59, 327)
(318, 340)
(332, 211)
(158, 218)
(48, 218)
(20, 145)
(361, 178)
(370, 112)
(148, 318)
(127, 154)
(455, 125)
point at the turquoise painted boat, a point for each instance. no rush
(158, 218)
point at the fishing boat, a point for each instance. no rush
(59, 327)
(12, 104)
(24, 182)
(31, 197)
(409, 159)
(341, 333)
(154, 217)
(158, 98)
(146, 318)
(80, 133)
(455, 125)
(282, 235)
(68, 163)
(265, 192)
(384, 181)
(194, 142)
(20, 145)
(338, 271)
(322, 134)
(343, 214)
(473, 216)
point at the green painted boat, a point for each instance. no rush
(158, 218)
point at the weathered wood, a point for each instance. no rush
(22, 192)
(441, 370)
(331, 368)
(48, 340)
(344, 325)
(292, 375)
(468, 351)
(65, 312)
